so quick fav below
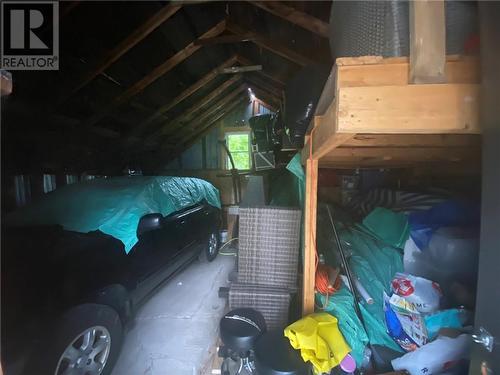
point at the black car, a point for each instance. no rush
(66, 295)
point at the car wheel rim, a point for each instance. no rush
(212, 244)
(87, 354)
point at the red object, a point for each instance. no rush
(402, 287)
(323, 283)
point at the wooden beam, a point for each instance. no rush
(273, 46)
(360, 163)
(254, 80)
(266, 96)
(208, 127)
(241, 69)
(126, 44)
(269, 104)
(192, 127)
(171, 126)
(309, 262)
(294, 16)
(425, 109)
(156, 73)
(226, 39)
(205, 80)
(414, 140)
(244, 61)
(267, 99)
(427, 41)
(453, 154)
(356, 72)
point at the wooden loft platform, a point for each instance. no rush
(372, 116)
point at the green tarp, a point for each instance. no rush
(115, 205)
(374, 262)
(391, 227)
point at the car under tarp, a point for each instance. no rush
(115, 205)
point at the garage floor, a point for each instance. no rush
(176, 331)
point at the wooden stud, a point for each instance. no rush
(274, 47)
(309, 261)
(156, 73)
(294, 16)
(427, 41)
(128, 43)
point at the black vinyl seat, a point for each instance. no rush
(240, 328)
(275, 356)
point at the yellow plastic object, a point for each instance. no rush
(319, 340)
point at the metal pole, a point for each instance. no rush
(345, 265)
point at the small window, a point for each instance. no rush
(49, 182)
(23, 190)
(238, 144)
(71, 179)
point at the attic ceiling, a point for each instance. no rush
(141, 81)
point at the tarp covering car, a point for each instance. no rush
(115, 205)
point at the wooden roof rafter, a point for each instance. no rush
(189, 129)
(244, 61)
(226, 39)
(271, 45)
(190, 90)
(210, 123)
(170, 126)
(155, 74)
(304, 20)
(269, 100)
(253, 80)
(124, 46)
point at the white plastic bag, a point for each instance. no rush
(410, 258)
(435, 357)
(423, 293)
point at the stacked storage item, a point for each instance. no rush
(269, 240)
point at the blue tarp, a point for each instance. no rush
(115, 205)
(450, 213)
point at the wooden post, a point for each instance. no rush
(427, 41)
(309, 261)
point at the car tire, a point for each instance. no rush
(211, 249)
(81, 323)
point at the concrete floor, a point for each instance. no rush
(176, 331)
